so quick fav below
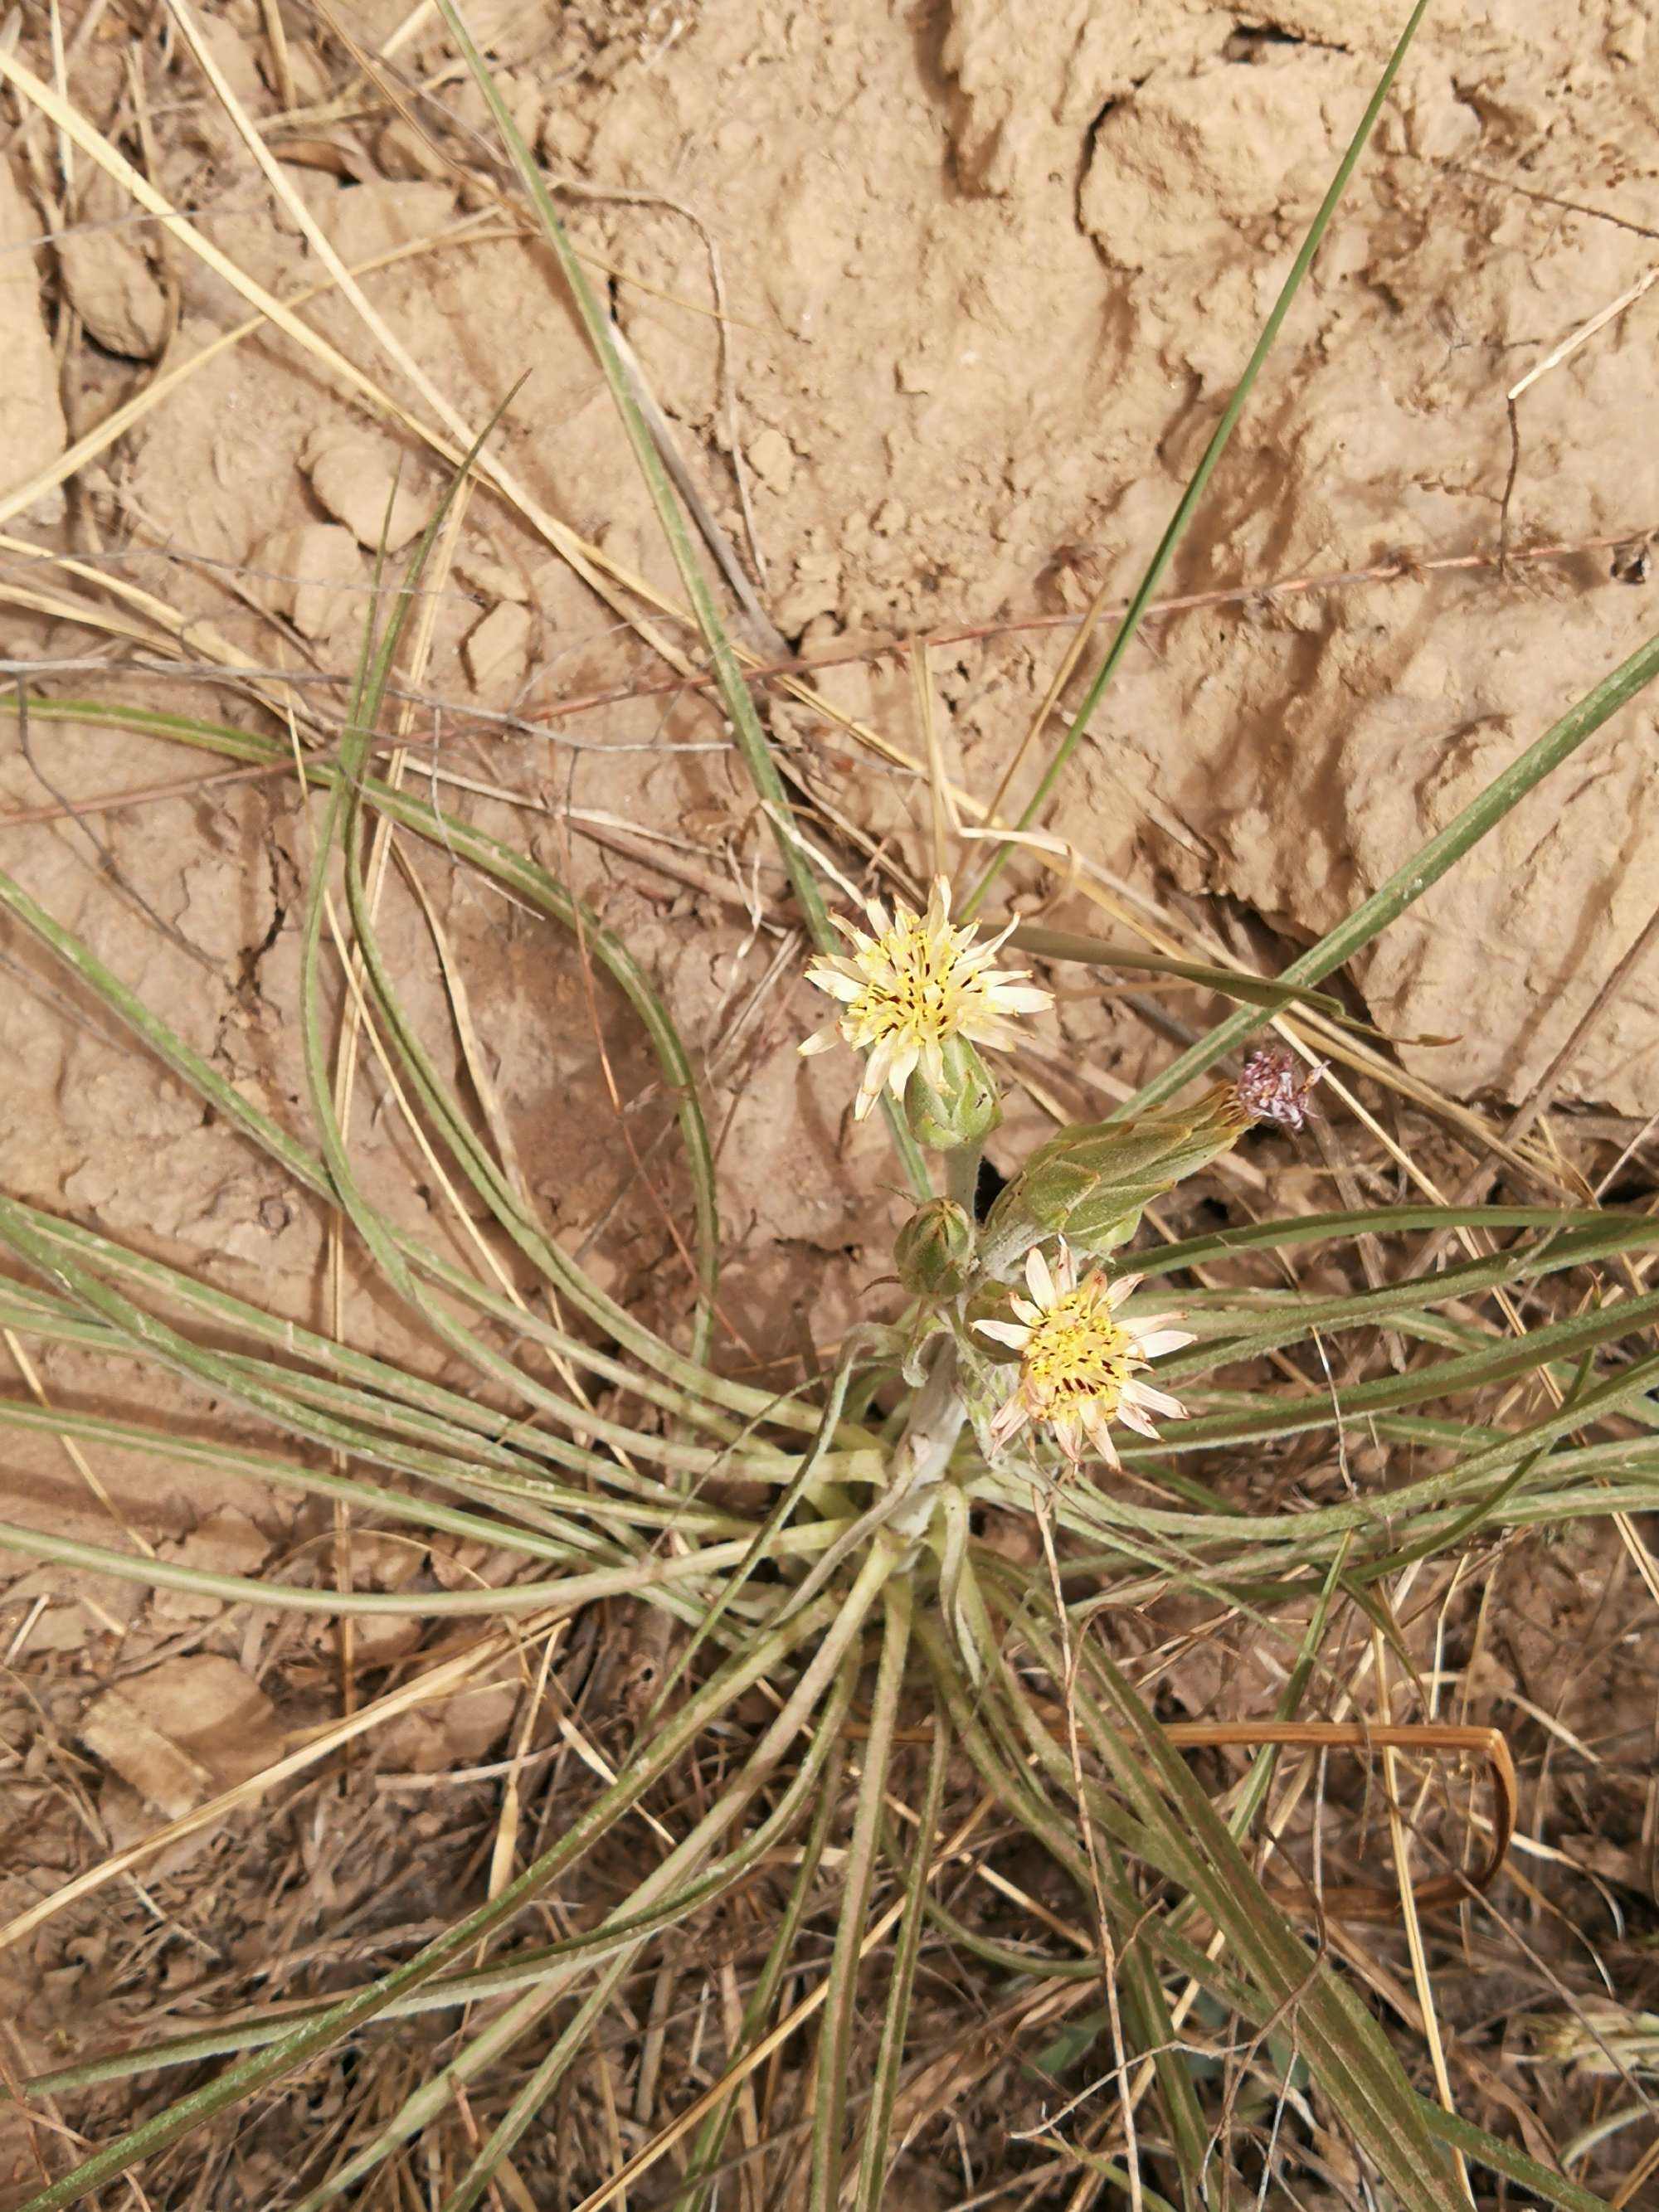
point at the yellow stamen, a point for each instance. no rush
(1078, 1364)
(1077, 1350)
(908, 989)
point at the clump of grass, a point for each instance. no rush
(915, 1680)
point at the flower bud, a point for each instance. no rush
(934, 1252)
(1090, 1184)
(962, 1109)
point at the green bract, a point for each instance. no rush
(1090, 1184)
(934, 1250)
(963, 1110)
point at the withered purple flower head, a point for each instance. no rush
(1275, 1087)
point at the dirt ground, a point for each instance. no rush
(940, 305)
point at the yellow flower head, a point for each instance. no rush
(914, 983)
(1078, 1359)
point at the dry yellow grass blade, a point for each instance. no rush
(74, 1454)
(470, 1228)
(1585, 331)
(201, 635)
(444, 1679)
(1067, 1930)
(412, 25)
(469, 231)
(594, 569)
(1401, 1843)
(464, 433)
(70, 610)
(505, 1850)
(276, 39)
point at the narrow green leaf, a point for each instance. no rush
(1425, 868)
(889, 2059)
(1229, 983)
(1188, 505)
(735, 693)
(836, 2035)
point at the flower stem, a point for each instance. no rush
(962, 1176)
(923, 1452)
